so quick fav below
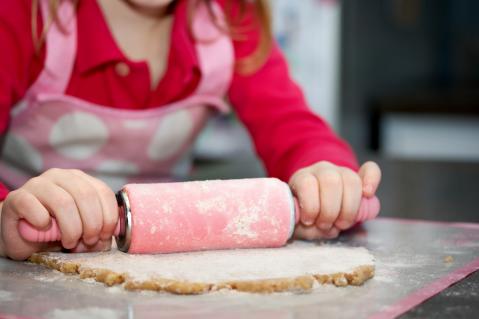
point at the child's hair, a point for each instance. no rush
(245, 65)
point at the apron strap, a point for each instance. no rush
(61, 46)
(215, 54)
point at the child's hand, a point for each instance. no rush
(329, 197)
(84, 207)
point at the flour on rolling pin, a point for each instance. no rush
(298, 266)
(217, 214)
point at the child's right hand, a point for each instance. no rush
(84, 207)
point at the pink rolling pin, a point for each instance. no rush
(191, 216)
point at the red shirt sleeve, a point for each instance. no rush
(287, 135)
(19, 65)
(3, 192)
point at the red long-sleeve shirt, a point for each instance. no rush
(286, 134)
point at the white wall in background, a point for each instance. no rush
(309, 34)
(430, 137)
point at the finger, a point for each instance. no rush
(25, 205)
(14, 245)
(352, 193)
(87, 201)
(305, 187)
(332, 233)
(308, 232)
(313, 233)
(108, 204)
(101, 245)
(370, 174)
(330, 196)
(60, 204)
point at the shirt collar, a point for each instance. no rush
(97, 47)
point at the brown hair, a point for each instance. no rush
(246, 65)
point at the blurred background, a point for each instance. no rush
(399, 80)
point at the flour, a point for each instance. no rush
(51, 276)
(294, 260)
(241, 226)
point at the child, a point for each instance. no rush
(114, 91)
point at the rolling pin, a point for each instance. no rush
(201, 215)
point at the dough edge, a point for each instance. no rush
(300, 284)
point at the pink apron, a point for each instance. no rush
(50, 129)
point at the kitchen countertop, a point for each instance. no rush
(414, 261)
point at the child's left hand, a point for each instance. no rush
(329, 197)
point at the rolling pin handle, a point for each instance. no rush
(53, 233)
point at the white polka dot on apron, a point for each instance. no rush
(78, 135)
(177, 127)
(18, 148)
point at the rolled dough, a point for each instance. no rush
(297, 266)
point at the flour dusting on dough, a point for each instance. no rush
(291, 261)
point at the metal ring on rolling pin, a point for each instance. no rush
(123, 239)
(293, 212)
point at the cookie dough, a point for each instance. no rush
(298, 266)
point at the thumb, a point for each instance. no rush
(370, 174)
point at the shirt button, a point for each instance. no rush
(122, 69)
